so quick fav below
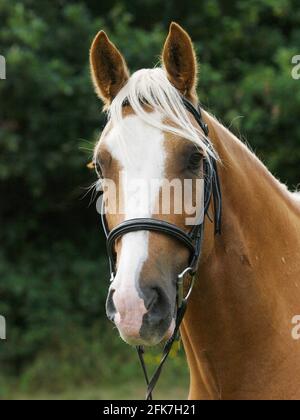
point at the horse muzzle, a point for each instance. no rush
(144, 319)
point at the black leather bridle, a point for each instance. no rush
(192, 240)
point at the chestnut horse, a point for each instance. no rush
(237, 328)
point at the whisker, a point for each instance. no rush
(92, 189)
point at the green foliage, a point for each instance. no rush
(52, 269)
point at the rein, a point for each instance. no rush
(192, 240)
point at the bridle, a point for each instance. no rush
(192, 240)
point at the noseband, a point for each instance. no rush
(192, 241)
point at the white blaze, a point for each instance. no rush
(141, 155)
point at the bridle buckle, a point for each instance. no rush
(180, 285)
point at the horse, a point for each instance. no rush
(237, 327)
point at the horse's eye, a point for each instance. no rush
(195, 160)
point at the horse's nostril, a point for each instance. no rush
(156, 303)
(150, 304)
(151, 298)
(159, 315)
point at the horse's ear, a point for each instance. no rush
(108, 68)
(179, 60)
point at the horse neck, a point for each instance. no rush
(239, 315)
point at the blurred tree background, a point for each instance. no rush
(53, 271)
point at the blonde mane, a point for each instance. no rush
(152, 88)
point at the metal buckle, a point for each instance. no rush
(180, 281)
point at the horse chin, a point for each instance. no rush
(136, 340)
